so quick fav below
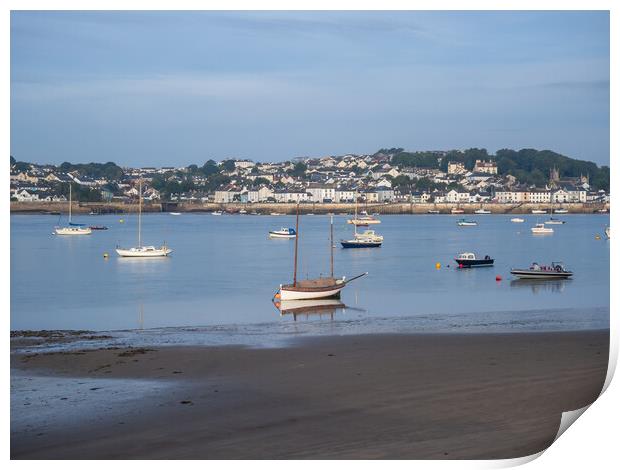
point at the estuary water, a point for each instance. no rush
(224, 271)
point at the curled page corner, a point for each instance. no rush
(568, 418)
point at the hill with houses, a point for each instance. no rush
(388, 175)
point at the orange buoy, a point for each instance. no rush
(498, 278)
(438, 266)
(277, 296)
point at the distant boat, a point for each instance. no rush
(517, 220)
(276, 213)
(432, 211)
(175, 213)
(466, 223)
(560, 211)
(456, 210)
(469, 260)
(366, 239)
(98, 227)
(607, 232)
(283, 233)
(319, 288)
(553, 221)
(72, 228)
(216, 213)
(541, 229)
(482, 211)
(141, 251)
(243, 211)
(536, 271)
(538, 211)
(363, 220)
(602, 211)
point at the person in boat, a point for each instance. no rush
(487, 257)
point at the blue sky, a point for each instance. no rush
(174, 88)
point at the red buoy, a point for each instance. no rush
(461, 265)
(498, 278)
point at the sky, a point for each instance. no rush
(175, 88)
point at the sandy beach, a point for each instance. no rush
(459, 396)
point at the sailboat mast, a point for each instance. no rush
(355, 218)
(296, 242)
(140, 213)
(69, 203)
(331, 245)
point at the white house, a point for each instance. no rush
(322, 192)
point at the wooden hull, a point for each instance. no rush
(306, 293)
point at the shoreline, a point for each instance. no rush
(424, 396)
(403, 208)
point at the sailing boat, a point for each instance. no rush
(366, 239)
(72, 228)
(321, 288)
(143, 251)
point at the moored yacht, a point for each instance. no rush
(536, 271)
(541, 229)
(470, 260)
(283, 233)
(553, 221)
(466, 223)
(72, 228)
(366, 239)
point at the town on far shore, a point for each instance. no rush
(388, 176)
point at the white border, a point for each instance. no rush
(591, 443)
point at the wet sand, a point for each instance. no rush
(356, 397)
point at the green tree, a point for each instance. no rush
(299, 170)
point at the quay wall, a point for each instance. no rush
(305, 208)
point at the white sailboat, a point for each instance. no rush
(143, 251)
(72, 229)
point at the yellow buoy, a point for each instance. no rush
(438, 266)
(106, 255)
(598, 237)
(121, 221)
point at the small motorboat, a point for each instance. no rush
(541, 229)
(602, 211)
(175, 213)
(283, 233)
(466, 223)
(469, 260)
(560, 211)
(536, 271)
(538, 211)
(243, 212)
(553, 221)
(482, 211)
(517, 220)
(456, 210)
(367, 239)
(432, 211)
(98, 227)
(276, 213)
(216, 213)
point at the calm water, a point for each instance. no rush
(224, 271)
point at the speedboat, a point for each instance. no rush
(553, 221)
(466, 223)
(536, 271)
(482, 211)
(367, 239)
(517, 220)
(541, 229)
(283, 233)
(538, 211)
(469, 260)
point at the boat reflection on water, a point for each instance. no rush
(308, 308)
(536, 285)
